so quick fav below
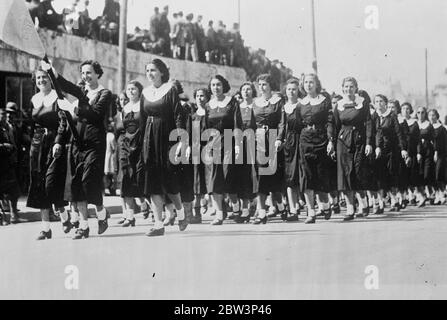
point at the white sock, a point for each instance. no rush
(236, 207)
(325, 206)
(158, 225)
(130, 214)
(381, 204)
(181, 214)
(102, 214)
(45, 226)
(74, 216)
(245, 213)
(64, 215)
(262, 213)
(84, 225)
(311, 213)
(280, 207)
(350, 210)
(219, 214)
(272, 210)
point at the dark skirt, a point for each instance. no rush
(220, 177)
(314, 163)
(427, 166)
(199, 186)
(161, 176)
(441, 171)
(270, 170)
(9, 185)
(47, 173)
(187, 182)
(131, 168)
(354, 169)
(291, 156)
(85, 172)
(388, 170)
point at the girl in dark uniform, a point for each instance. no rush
(267, 110)
(86, 157)
(247, 170)
(334, 196)
(352, 119)
(48, 159)
(389, 151)
(223, 113)
(414, 152)
(426, 161)
(130, 141)
(440, 147)
(371, 165)
(162, 113)
(290, 141)
(195, 126)
(403, 175)
(316, 146)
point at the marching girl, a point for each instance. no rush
(353, 126)
(404, 169)
(334, 196)
(389, 151)
(162, 113)
(315, 145)
(86, 156)
(290, 141)
(247, 170)
(426, 158)
(48, 158)
(223, 113)
(414, 151)
(197, 122)
(130, 141)
(440, 147)
(267, 109)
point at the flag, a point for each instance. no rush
(17, 28)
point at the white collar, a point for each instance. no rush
(132, 107)
(289, 107)
(411, 121)
(153, 94)
(312, 101)
(91, 94)
(424, 125)
(214, 103)
(385, 114)
(358, 102)
(400, 119)
(437, 125)
(40, 99)
(244, 105)
(200, 112)
(261, 102)
(372, 111)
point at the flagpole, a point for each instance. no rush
(122, 64)
(314, 39)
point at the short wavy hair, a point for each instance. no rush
(435, 112)
(163, 68)
(251, 85)
(381, 96)
(267, 78)
(96, 67)
(136, 84)
(353, 80)
(317, 83)
(206, 91)
(225, 83)
(408, 105)
(396, 104)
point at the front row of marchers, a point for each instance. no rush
(318, 151)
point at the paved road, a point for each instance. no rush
(403, 254)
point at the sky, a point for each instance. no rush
(395, 51)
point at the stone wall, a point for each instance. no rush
(68, 51)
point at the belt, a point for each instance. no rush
(41, 130)
(152, 118)
(263, 126)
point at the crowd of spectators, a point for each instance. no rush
(180, 37)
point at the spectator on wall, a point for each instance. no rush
(111, 11)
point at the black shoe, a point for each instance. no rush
(103, 225)
(54, 217)
(260, 221)
(81, 234)
(404, 204)
(129, 223)
(197, 219)
(242, 219)
(395, 208)
(379, 211)
(335, 208)
(145, 213)
(155, 232)
(272, 214)
(365, 212)
(217, 222)
(44, 235)
(76, 225)
(413, 202)
(327, 214)
(349, 217)
(67, 226)
(293, 218)
(169, 222)
(121, 221)
(310, 220)
(422, 204)
(284, 215)
(182, 224)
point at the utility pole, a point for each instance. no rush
(239, 13)
(426, 77)
(122, 63)
(314, 39)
